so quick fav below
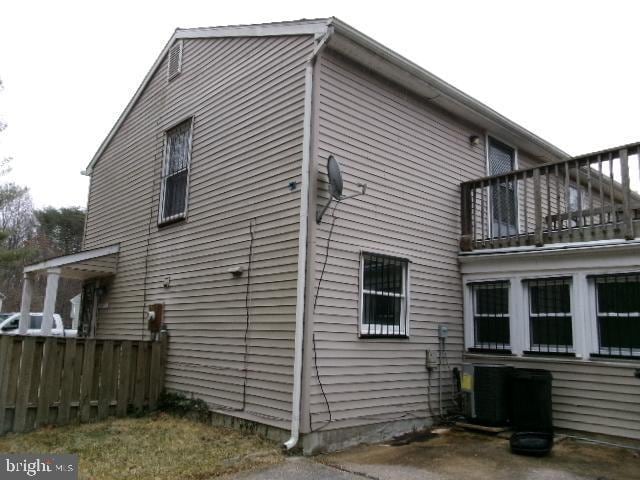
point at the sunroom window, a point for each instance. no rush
(550, 315)
(491, 316)
(618, 312)
(384, 296)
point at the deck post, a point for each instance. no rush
(25, 303)
(53, 277)
(537, 208)
(466, 240)
(627, 217)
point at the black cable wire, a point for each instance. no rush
(315, 303)
(326, 400)
(246, 306)
(326, 254)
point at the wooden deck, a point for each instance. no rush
(586, 198)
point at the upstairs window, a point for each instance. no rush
(175, 173)
(550, 315)
(384, 296)
(618, 311)
(491, 316)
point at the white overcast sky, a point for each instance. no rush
(567, 70)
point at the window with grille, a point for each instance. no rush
(174, 60)
(504, 207)
(384, 296)
(618, 312)
(175, 177)
(491, 316)
(550, 328)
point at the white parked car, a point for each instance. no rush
(9, 326)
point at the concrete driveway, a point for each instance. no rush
(459, 455)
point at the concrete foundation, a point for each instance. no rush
(324, 441)
(339, 439)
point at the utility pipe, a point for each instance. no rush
(302, 243)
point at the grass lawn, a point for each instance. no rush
(157, 447)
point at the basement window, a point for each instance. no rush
(383, 301)
(618, 313)
(550, 328)
(175, 173)
(174, 60)
(491, 316)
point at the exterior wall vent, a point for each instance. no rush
(174, 60)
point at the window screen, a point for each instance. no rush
(550, 315)
(176, 172)
(491, 315)
(384, 299)
(618, 310)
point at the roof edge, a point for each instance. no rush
(296, 27)
(446, 89)
(455, 96)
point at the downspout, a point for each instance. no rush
(302, 243)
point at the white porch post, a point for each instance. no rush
(25, 304)
(53, 276)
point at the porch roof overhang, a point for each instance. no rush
(99, 262)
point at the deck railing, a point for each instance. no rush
(586, 198)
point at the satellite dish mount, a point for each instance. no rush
(336, 186)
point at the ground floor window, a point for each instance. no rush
(384, 281)
(550, 315)
(491, 315)
(618, 314)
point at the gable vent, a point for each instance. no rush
(174, 60)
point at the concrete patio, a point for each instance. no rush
(460, 455)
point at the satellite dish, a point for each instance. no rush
(335, 186)
(335, 178)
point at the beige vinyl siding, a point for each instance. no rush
(246, 98)
(413, 158)
(592, 396)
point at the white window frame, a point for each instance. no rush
(374, 330)
(162, 220)
(471, 341)
(529, 314)
(597, 347)
(516, 162)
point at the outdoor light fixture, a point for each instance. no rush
(474, 140)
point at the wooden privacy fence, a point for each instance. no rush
(56, 381)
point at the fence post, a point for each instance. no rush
(537, 208)
(46, 374)
(466, 219)
(124, 379)
(68, 370)
(24, 384)
(6, 347)
(86, 381)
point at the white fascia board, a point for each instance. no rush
(315, 27)
(310, 27)
(599, 256)
(446, 95)
(74, 258)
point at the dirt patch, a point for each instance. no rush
(460, 454)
